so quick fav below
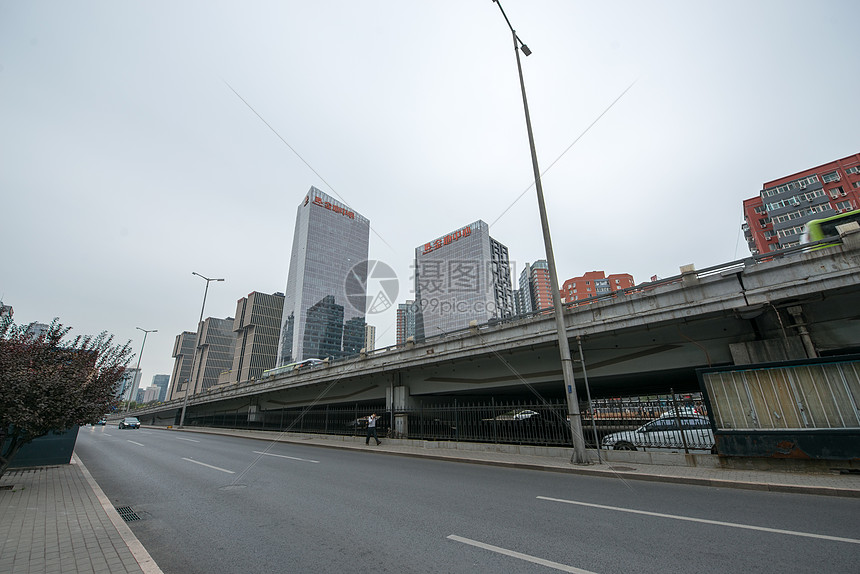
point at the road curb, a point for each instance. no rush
(143, 558)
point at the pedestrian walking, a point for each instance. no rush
(371, 429)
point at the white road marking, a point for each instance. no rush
(188, 439)
(284, 456)
(520, 555)
(137, 443)
(209, 465)
(705, 521)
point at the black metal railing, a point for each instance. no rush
(669, 421)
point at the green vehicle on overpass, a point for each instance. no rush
(818, 229)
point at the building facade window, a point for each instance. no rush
(830, 177)
(800, 183)
(791, 231)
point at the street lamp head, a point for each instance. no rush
(208, 279)
(525, 50)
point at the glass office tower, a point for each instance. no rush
(461, 277)
(330, 243)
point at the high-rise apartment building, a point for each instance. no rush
(183, 354)
(324, 305)
(523, 296)
(214, 353)
(160, 382)
(460, 277)
(775, 218)
(540, 285)
(257, 326)
(534, 293)
(592, 284)
(405, 321)
(369, 337)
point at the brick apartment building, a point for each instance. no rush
(775, 218)
(592, 284)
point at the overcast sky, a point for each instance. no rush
(127, 160)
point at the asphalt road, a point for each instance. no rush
(215, 504)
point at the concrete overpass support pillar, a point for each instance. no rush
(796, 313)
(399, 400)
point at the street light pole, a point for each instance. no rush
(139, 357)
(580, 456)
(194, 354)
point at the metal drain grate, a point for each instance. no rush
(127, 514)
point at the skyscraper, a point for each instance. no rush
(257, 326)
(160, 382)
(214, 354)
(183, 350)
(128, 385)
(321, 317)
(534, 293)
(405, 321)
(523, 296)
(541, 289)
(460, 277)
(369, 337)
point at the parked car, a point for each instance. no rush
(664, 433)
(685, 410)
(129, 423)
(515, 415)
(102, 421)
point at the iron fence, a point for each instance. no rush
(653, 422)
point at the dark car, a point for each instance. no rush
(129, 423)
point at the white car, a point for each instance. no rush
(663, 433)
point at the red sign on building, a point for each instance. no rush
(331, 206)
(447, 240)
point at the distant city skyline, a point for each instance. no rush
(169, 139)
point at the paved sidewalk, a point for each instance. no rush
(57, 519)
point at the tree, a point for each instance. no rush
(48, 385)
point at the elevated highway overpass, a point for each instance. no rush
(645, 339)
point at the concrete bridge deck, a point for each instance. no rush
(645, 339)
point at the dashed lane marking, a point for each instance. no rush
(208, 465)
(285, 456)
(705, 521)
(520, 555)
